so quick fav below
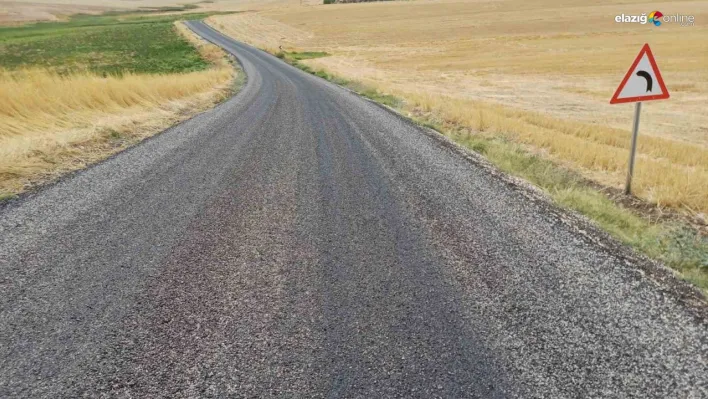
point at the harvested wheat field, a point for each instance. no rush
(533, 72)
(51, 123)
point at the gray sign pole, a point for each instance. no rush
(633, 148)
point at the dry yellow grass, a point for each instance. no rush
(670, 173)
(538, 73)
(51, 124)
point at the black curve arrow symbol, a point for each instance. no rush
(648, 77)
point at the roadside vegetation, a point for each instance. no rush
(72, 93)
(299, 56)
(671, 239)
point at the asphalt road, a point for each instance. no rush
(299, 241)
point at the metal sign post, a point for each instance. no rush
(633, 148)
(643, 82)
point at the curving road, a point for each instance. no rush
(299, 241)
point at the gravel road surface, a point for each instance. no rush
(300, 241)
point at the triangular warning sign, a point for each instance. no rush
(643, 81)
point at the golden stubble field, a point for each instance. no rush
(535, 72)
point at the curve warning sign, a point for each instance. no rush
(643, 81)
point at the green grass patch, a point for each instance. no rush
(678, 246)
(7, 196)
(385, 99)
(306, 55)
(104, 44)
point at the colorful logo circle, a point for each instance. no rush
(655, 17)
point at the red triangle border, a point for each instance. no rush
(660, 80)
